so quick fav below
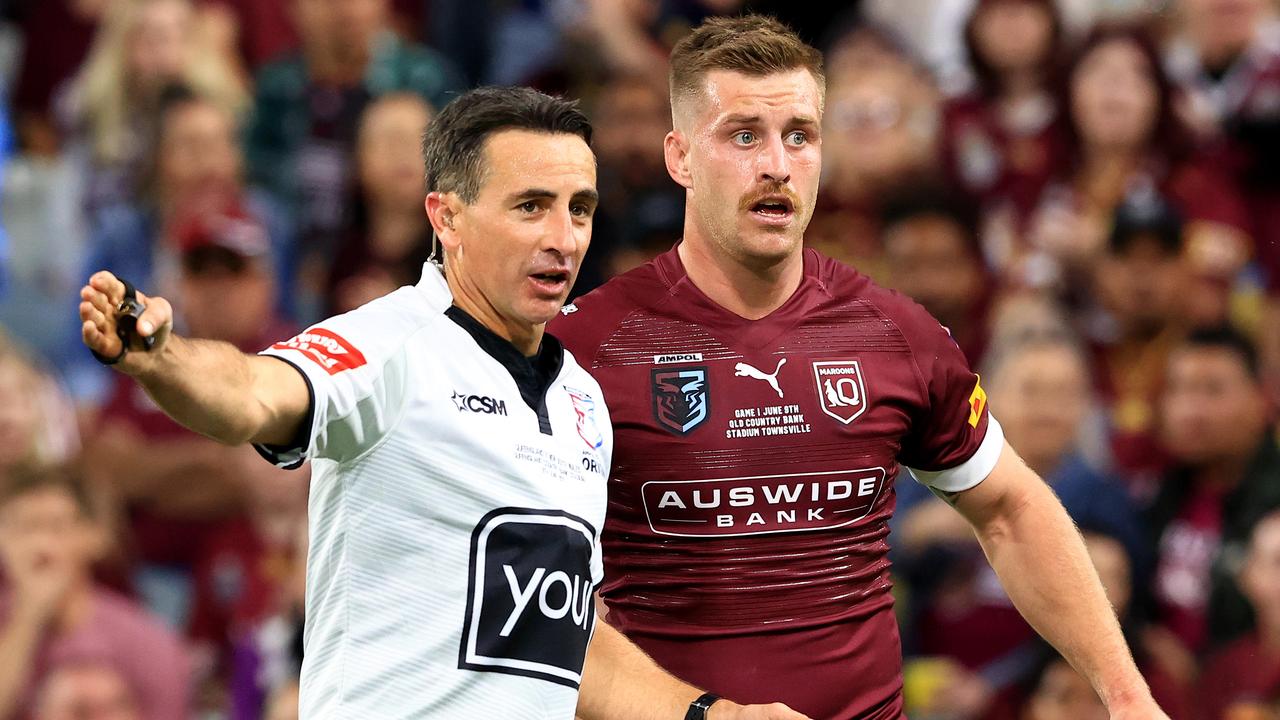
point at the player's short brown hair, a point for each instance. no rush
(751, 44)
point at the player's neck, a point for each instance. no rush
(746, 291)
(525, 337)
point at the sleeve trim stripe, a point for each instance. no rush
(293, 455)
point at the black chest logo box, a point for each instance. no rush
(530, 609)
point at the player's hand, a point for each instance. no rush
(726, 710)
(98, 303)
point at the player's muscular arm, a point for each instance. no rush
(208, 386)
(620, 681)
(1036, 550)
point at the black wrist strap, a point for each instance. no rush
(127, 315)
(698, 708)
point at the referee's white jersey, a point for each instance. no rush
(455, 515)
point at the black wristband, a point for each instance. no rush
(698, 708)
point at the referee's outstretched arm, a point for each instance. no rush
(209, 386)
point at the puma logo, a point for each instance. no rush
(745, 370)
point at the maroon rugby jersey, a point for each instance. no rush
(754, 466)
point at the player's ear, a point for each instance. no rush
(675, 148)
(442, 210)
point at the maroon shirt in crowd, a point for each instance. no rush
(158, 538)
(238, 581)
(997, 162)
(753, 478)
(1244, 99)
(1244, 672)
(56, 42)
(120, 634)
(1184, 567)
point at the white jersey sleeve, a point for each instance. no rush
(355, 367)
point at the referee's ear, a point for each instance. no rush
(442, 208)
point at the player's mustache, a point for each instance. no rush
(771, 192)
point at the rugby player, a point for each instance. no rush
(763, 398)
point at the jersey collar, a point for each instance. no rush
(434, 287)
(532, 375)
(736, 331)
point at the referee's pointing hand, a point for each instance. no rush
(99, 304)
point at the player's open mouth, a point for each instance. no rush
(774, 209)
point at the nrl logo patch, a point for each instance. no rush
(680, 398)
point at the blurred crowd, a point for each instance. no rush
(1085, 192)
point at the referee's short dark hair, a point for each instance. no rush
(453, 146)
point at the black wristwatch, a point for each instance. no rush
(698, 708)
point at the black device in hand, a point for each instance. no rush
(127, 314)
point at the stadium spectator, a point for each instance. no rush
(246, 573)
(1060, 693)
(1138, 288)
(641, 212)
(1001, 143)
(142, 47)
(197, 162)
(387, 237)
(308, 105)
(57, 36)
(53, 613)
(267, 654)
(1124, 142)
(1167, 667)
(1247, 671)
(1040, 387)
(284, 704)
(1040, 383)
(1215, 423)
(1227, 62)
(195, 156)
(931, 254)
(880, 137)
(256, 32)
(37, 424)
(87, 691)
(225, 291)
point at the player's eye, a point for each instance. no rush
(797, 137)
(580, 210)
(744, 137)
(528, 206)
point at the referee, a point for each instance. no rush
(459, 455)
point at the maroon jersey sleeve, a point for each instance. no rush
(953, 442)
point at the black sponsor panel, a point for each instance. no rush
(529, 597)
